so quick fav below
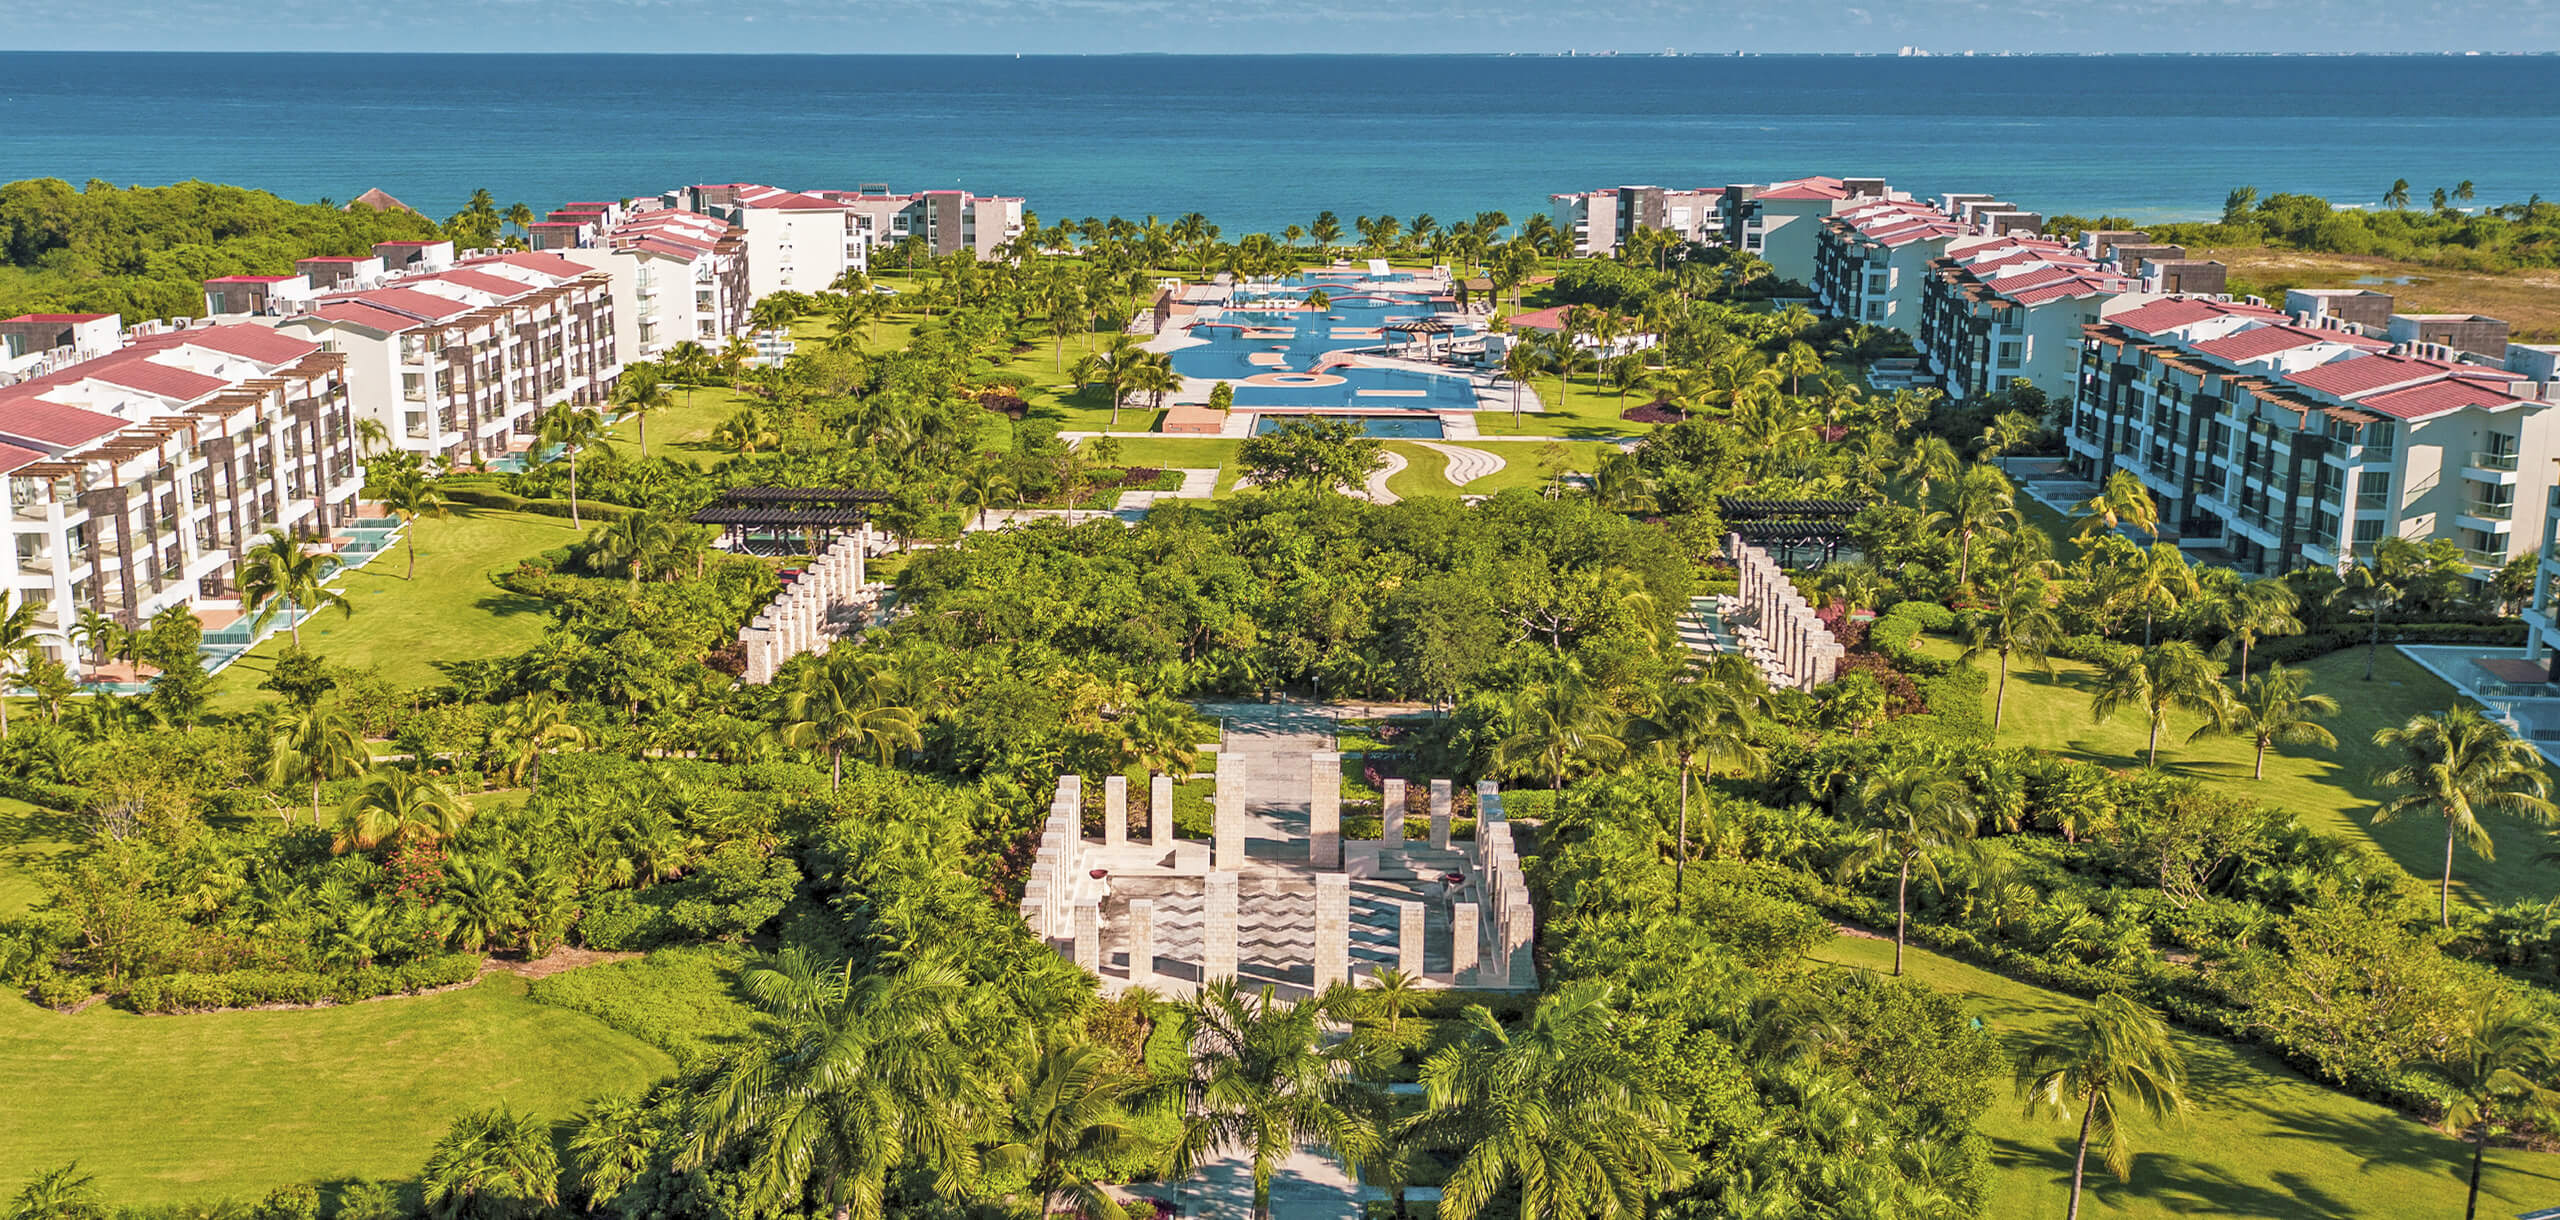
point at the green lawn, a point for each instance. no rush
(1426, 473)
(31, 838)
(684, 429)
(2332, 790)
(450, 612)
(199, 1108)
(1589, 409)
(2264, 1140)
(1166, 453)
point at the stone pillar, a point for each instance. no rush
(1409, 927)
(1142, 941)
(1046, 871)
(1466, 941)
(1115, 810)
(1160, 810)
(1324, 809)
(861, 551)
(1035, 908)
(1218, 928)
(1441, 800)
(1333, 929)
(756, 641)
(1089, 936)
(1391, 806)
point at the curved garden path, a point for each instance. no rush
(1466, 465)
(1377, 488)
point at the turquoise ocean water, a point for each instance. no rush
(1259, 142)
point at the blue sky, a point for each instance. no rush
(1089, 26)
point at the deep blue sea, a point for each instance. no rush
(1259, 142)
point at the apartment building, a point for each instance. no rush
(1598, 221)
(456, 362)
(676, 276)
(1998, 308)
(2281, 440)
(1870, 258)
(140, 468)
(794, 242)
(1778, 221)
(950, 221)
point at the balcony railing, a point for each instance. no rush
(2487, 511)
(2484, 559)
(2483, 459)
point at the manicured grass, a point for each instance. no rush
(199, 1108)
(1589, 408)
(1192, 454)
(684, 429)
(31, 838)
(450, 612)
(2332, 790)
(2264, 1140)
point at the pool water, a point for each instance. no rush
(1271, 356)
(1384, 427)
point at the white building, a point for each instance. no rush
(1598, 221)
(140, 473)
(949, 221)
(2001, 308)
(794, 242)
(456, 363)
(677, 276)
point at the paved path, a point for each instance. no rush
(1466, 465)
(1197, 484)
(1377, 491)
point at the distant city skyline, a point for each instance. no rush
(1645, 27)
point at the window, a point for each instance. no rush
(2369, 530)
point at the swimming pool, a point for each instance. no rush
(1384, 427)
(1274, 356)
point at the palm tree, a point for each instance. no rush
(1519, 363)
(19, 635)
(851, 1076)
(1703, 719)
(2455, 765)
(1558, 719)
(643, 389)
(2274, 708)
(2019, 625)
(630, 543)
(1067, 1114)
(410, 496)
(1908, 815)
(398, 804)
(848, 699)
(2160, 580)
(1980, 501)
(2463, 191)
(2363, 587)
(61, 1193)
(1931, 461)
(2495, 1066)
(492, 1165)
(526, 730)
(1853, 585)
(2397, 198)
(571, 428)
(314, 745)
(2118, 1054)
(98, 634)
(278, 575)
(746, 431)
(612, 1146)
(1262, 1076)
(2257, 608)
(2123, 501)
(981, 485)
(2156, 679)
(1556, 1111)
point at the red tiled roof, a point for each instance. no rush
(549, 264)
(2435, 398)
(410, 301)
(252, 342)
(2364, 374)
(2158, 316)
(788, 201)
(1807, 188)
(14, 456)
(495, 285)
(51, 423)
(370, 317)
(657, 244)
(2268, 340)
(183, 385)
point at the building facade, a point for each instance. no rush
(794, 242)
(139, 475)
(1778, 221)
(949, 221)
(456, 364)
(2006, 307)
(1597, 222)
(677, 276)
(2281, 440)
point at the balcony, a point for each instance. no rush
(2491, 467)
(2484, 559)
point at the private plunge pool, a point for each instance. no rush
(1385, 427)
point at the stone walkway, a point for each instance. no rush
(1197, 484)
(1466, 465)
(1376, 491)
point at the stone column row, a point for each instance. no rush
(802, 617)
(1804, 654)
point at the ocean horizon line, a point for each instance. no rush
(1602, 53)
